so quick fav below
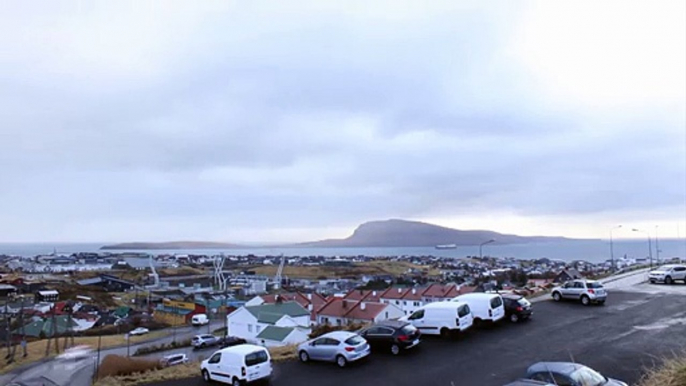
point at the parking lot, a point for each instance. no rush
(619, 339)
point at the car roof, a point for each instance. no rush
(453, 304)
(557, 367)
(527, 382)
(391, 323)
(480, 295)
(338, 335)
(242, 349)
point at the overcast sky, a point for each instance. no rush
(293, 121)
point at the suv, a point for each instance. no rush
(391, 336)
(668, 274)
(202, 341)
(516, 307)
(587, 291)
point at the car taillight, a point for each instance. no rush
(520, 309)
(490, 313)
(243, 371)
(349, 349)
(403, 338)
(590, 291)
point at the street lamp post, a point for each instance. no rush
(650, 245)
(612, 252)
(657, 247)
(481, 246)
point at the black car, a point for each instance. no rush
(231, 341)
(391, 336)
(517, 307)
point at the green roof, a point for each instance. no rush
(275, 333)
(45, 325)
(271, 313)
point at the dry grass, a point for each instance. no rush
(116, 365)
(36, 350)
(145, 372)
(381, 267)
(671, 373)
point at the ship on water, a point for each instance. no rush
(446, 246)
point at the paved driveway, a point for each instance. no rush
(619, 339)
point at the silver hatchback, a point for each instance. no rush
(341, 347)
(586, 291)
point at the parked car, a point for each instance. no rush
(341, 347)
(199, 320)
(668, 274)
(229, 341)
(586, 291)
(441, 318)
(139, 331)
(237, 365)
(570, 374)
(391, 336)
(202, 341)
(173, 360)
(517, 308)
(486, 307)
(529, 382)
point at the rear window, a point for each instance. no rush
(594, 284)
(354, 340)
(496, 302)
(208, 336)
(463, 311)
(256, 358)
(523, 302)
(408, 330)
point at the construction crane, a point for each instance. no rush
(279, 272)
(220, 278)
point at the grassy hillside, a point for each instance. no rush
(368, 268)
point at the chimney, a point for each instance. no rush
(373, 293)
(414, 291)
(400, 290)
(345, 304)
(309, 296)
(363, 306)
(309, 307)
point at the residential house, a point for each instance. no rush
(108, 283)
(310, 301)
(248, 322)
(395, 296)
(568, 274)
(47, 296)
(340, 312)
(282, 336)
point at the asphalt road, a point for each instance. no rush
(80, 373)
(619, 339)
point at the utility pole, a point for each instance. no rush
(7, 326)
(657, 247)
(612, 251)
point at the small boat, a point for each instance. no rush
(446, 246)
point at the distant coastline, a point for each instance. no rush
(170, 245)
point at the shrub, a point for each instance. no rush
(115, 365)
(162, 347)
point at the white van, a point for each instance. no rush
(486, 307)
(199, 320)
(441, 318)
(237, 365)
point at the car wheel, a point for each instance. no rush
(585, 300)
(303, 357)
(652, 281)
(236, 382)
(514, 318)
(445, 333)
(341, 361)
(556, 296)
(206, 376)
(202, 345)
(602, 302)
(668, 280)
(395, 349)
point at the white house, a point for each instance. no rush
(249, 322)
(339, 312)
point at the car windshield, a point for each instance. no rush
(593, 284)
(588, 377)
(354, 340)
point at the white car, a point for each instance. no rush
(238, 365)
(139, 331)
(668, 274)
(76, 353)
(173, 360)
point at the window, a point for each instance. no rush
(578, 284)
(496, 302)
(338, 322)
(594, 284)
(354, 340)
(679, 269)
(330, 342)
(385, 331)
(257, 329)
(215, 358)
(587, 377)
(563, 380)
(543, 377)
(386, 314)
(404, 303)
(397, 302)
(463, 311)
(256, 358)
(249, 327)
(325, 320)
(417, 315)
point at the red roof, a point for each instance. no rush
(414, 293)
(366, 295)
(345, 308)
(395, 293)
(366, 310)
(438, 290)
